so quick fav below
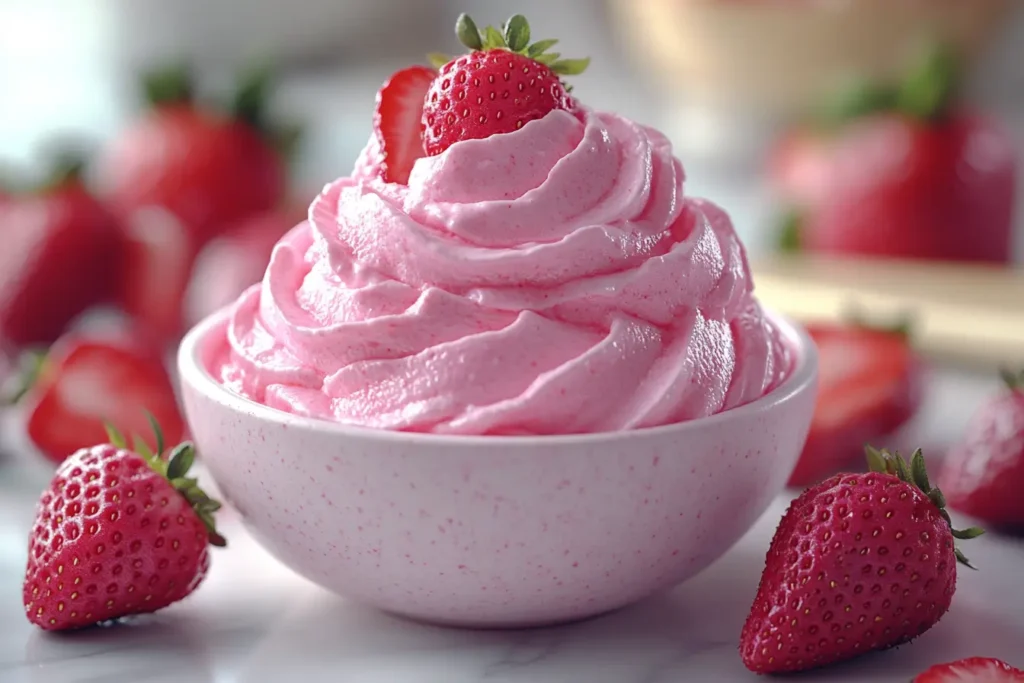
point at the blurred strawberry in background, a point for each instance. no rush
(983, 476)
(60, 255)
(183, 174)
(237, 259)
(869, 387)
(68, 395)
(900, 171)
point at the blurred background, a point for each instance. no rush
(866, 150)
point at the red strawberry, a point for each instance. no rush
(396, 121)
(61, 250)
(900, 176)
(180, 176)
(160, 254)
(869, 386)
(971, 670)
(860, 562)
(502, 84)
(118, 532)
(983, 476)
(236, 260)
(83, 384)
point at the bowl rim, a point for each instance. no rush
(192, 372)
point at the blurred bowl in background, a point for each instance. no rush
(783, 56)
(229, 30)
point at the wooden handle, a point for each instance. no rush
(966, 313)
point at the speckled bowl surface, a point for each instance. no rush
(496, 531)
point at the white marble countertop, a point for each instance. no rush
(255, 621)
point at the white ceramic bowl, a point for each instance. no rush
(496, 531)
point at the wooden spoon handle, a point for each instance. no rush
(966, 313)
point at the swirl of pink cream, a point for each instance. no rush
(551, 280)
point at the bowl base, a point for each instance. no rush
(469, 624)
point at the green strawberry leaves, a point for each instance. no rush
(1013, 381)
(170, 85)
(174, 468)
(468, 33)
(915, 474)
(515, 37)
(517, 33)
(924, 93)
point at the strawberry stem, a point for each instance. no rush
(249, 104)
(916, 474)
(788, 231)
(924, 93)
(250, 98)
(902, 326)
(31, 365)
(1013, 381)
(928, 87)
(169, 85)
(515, 37)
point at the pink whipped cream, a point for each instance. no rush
(551, 280)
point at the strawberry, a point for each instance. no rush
(81, 384)
(236, 260)
(898, 173)
(180, 176)
(869, 387)
(396, 121)
(984, 474)
(118, 532)
(501, 85)
(61, 250)
(971, 670)
(860, 562)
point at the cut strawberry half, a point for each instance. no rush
(869, 386)
(84, 384)
(396, 121)
(971, 670)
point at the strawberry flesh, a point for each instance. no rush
(87, 383)
(396, 121)
(869, 387)
(971, 670)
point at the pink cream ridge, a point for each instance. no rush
(548, 281)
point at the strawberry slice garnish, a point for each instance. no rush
(971, 670)
(868, 388)
(84, 384)
(396, 121)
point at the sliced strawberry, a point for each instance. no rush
(159, 258)
(86, 383)
(396, 121)
(971, 670)
(869, 386)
